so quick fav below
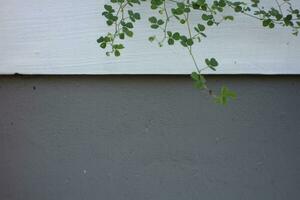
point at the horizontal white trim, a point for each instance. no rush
(59, 37)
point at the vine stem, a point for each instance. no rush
(210, 92)
(190, 47)
(166, 23)
(258, 13)
(117, 24)
(279, 7)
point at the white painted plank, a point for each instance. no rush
(58, 37)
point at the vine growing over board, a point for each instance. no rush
(120, 15)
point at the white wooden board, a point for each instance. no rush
(59, 37)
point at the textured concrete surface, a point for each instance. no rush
(148, 138)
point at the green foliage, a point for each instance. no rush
(199, 80)
(225, 95)
(120, 15)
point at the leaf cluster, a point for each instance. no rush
(122, 16)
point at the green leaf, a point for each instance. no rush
(160, 22)
(137, 16)
(214, 62)
(153, 20)
(231, 18)
(127, 32)
(170, 41)
(154, 26)
(121, 36)
(117, 53)
(151, 38)
(201, 27)
(225, 95)
(190, 42)
(103, 45)
(199, 80)
(176, 36)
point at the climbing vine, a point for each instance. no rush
(121, 16)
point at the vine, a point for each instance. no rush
(120, 15)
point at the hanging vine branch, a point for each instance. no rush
(120, 15)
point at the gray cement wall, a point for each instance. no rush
(148, 138)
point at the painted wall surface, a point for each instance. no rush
(148, 137)
(50, 37)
